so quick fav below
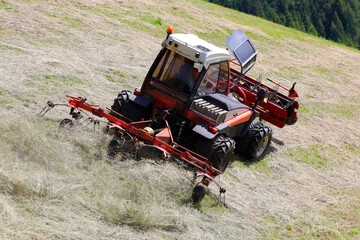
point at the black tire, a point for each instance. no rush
(219, 150)
(66, 123)
(113, 148)
(198, 193)
(291, 121)
(259, 138)
(119, 102)
(290, 110)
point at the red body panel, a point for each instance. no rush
(275, 109)
(242, 117)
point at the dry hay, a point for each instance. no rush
(62, 185)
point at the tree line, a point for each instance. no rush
(337, 20)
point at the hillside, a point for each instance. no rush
(337, 20)
(61, 185)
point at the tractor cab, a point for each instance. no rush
(188, 67)
(193, 75)
(188, 85)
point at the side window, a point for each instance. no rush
(215, 80)
(223, 82)
(177, 72)
(208, 83)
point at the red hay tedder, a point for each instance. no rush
(194, 105)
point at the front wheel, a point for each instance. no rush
(219, 150)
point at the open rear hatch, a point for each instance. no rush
(242, 48)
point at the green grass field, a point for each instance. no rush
(61, 185)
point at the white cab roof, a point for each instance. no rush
(196, 49)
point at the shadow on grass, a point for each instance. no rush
(247, 162)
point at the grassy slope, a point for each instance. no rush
(61, 185)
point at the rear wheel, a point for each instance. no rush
(258, 141)
(291, 120)
(289, 110)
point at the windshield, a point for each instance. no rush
(176, 72)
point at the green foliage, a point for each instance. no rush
(335, 20)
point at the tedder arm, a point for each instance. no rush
(143, 138)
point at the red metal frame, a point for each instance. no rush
(136, 129)
(274, 110)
